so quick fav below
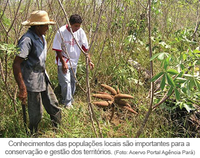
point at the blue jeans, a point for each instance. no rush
(67, 83)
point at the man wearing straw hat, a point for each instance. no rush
(30, 74)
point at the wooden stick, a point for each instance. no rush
(91, 111)
(152, 83)
(65, 51)
(70, 28)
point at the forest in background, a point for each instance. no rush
(127, 45)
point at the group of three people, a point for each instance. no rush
(29, 66)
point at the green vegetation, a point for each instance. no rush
(118, 34)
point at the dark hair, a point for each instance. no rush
(75, 19)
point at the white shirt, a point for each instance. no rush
(70, 45)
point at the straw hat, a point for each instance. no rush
(38, 17)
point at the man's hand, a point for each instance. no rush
(91, 65)
(22, 95)
(19, 79)
(64, 67)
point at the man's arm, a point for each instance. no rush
(64, 64)
(19, 79)
(90, 62)
(88, 55)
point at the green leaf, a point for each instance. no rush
(196, 51)
(156, 76)
(180, 80)
(182, 66)
(180, 104)
(162, 43)
(166, 63)
(184, 56)
(197, 84)
(188, 107)
(154, 56)
(187, 75)
(161, 56)
(172, 71)
(162, 84)
(184, 90)
(180, 74)
(177, 94)
(188, 89)
(170, 80)
(170, 91)
(191, 83)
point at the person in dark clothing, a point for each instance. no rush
(30, 74)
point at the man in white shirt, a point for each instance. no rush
(65, 69)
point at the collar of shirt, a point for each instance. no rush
(67, 27)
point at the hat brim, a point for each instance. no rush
(28, 23)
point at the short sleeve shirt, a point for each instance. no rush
(34, 51)
(69, 43)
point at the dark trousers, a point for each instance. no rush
(35, 109)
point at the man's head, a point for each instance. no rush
(40, 29)
(75, 22)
